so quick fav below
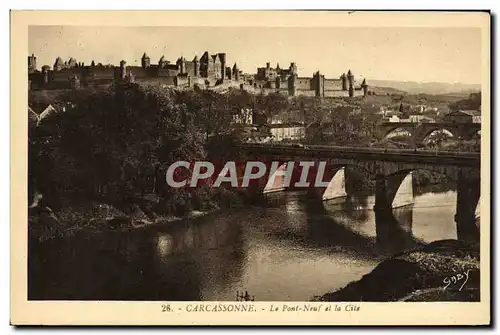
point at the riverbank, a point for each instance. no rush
(446, 270)
(45, 223)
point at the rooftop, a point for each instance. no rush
(470, 112)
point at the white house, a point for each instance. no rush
(280, 132)
(245, 116)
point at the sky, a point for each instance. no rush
(450, 55)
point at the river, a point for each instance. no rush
(289, 250)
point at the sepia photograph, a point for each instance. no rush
(295, 169)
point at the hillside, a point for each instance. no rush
(413, 87)
(386, 90)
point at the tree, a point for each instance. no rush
(437, 138)
(271, 104)
(473, 102)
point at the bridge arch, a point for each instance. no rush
(400, 186)
(397, 130)
(339, 180)
(425, 135)
(391, 187)
(477, 212)
(449, 177)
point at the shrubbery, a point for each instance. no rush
(113, 145)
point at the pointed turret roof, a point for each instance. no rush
(162, 59)
(58, 61)
(364, 82)
(349, 73)
(277, 66)
(72, 61)
(235, 67)
(145, 56)
(205, 56)
(195, 59)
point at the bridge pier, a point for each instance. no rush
(394, 228)
(468, 193)
(393, 191)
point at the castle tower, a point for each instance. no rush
(222, 57)
(123, 71)
(350, 78)
(345, 85)
(364, 86)
(236, 72)
(319, 84)
(292, 83)
(278, 67)
(45, 73)
(31, 63)
(145, 61)
(181, 65)
(293, 69)
(196, 64)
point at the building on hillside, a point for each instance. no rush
(33, 117)
(245, 116)
(210, 70)
(420, 119)
(280, 132)
(411, 119)
(463, 116)
(287, 82)
(393, 118)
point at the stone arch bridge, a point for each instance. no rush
(420, 131)
(392, 170)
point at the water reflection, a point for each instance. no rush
(290, 249)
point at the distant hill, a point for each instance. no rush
(413, 87)
(386, 90)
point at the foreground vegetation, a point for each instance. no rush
(429, 273)
(110, 148)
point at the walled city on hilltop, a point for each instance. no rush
(208, 71)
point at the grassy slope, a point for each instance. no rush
(418, 275)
